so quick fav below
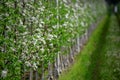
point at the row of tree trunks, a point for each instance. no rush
(64, 61)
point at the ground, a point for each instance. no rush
(100, 59)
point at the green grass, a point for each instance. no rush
(87, 61)
(100, 58)
(110, 69)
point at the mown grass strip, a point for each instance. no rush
(82, 63)
(97, 57)
(111, 66)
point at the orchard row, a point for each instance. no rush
(33, 32)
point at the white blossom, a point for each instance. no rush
(55, 26)
(67, 16)
(51, 45)
(28, 64)
(34, 66)
(50, 36)
(82, 24)
(4, 73)
(42, 50)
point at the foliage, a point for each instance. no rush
(33, 32)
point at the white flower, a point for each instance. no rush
(13, 49)
(4, 73)
(33, 18)
(34, 42)
(42, 8)
(34, 57)
(40, 3)
(55, 26)
(25, 33)
(34, 65)
(24, 43)
(40, 25)
(65, 24)
(42, 40)
(24, 12)
(67, 16)
(55, 36)
(76, 5)
(50, 36)
(51, 45)
(82, 24)
(23, 56)
(65, 1)
(21, 22)
(42, 50)
(28, 63)
(24, 26)
(41, 21)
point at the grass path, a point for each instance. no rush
(111, 68)
(100, 58)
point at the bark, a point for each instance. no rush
(36, 75)
(31, 75)
(42, 78)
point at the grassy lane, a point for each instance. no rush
(87, 64)
(97, 57)
(100, 59)
(111, 67)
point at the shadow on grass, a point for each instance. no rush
(94, 68)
